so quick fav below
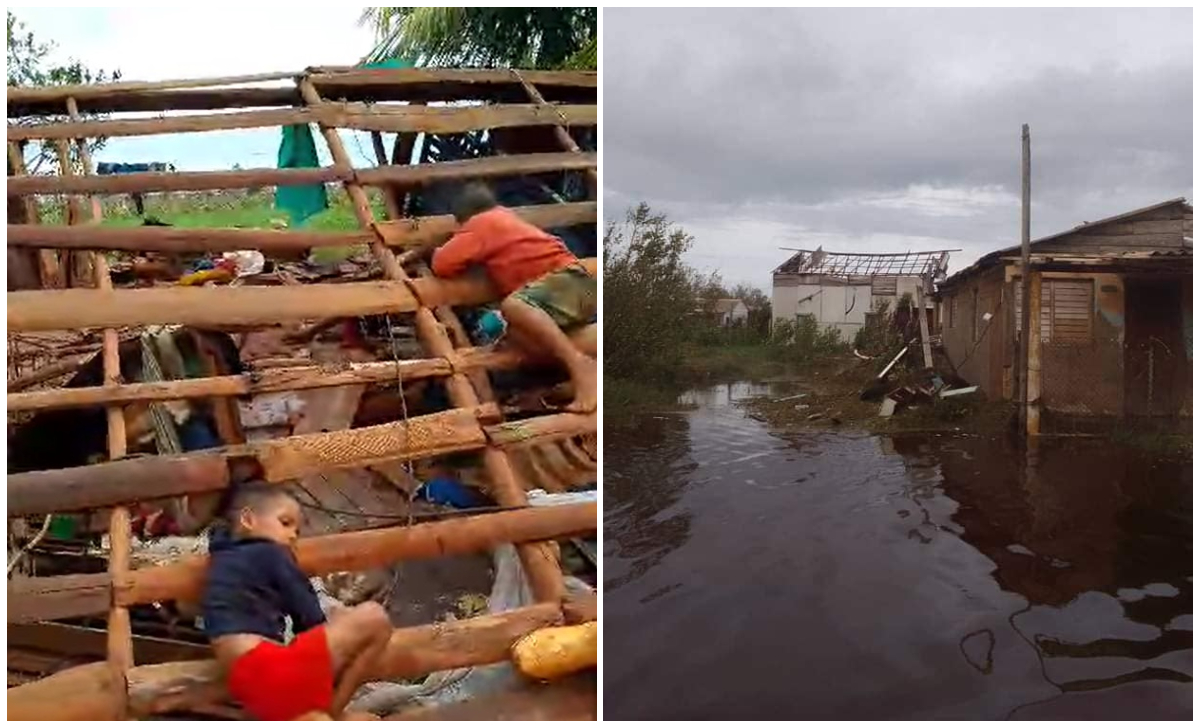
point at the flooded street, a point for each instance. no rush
(840, 575)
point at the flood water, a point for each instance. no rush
(840, 575)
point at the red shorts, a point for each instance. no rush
(283, 682)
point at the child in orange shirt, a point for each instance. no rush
(545, 288)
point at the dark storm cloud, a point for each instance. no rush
(877, 125)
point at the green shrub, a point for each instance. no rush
(648, 296)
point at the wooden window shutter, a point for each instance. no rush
(1067, 309)
(1068, 317)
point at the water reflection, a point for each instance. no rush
(845, 576)
(641, 486)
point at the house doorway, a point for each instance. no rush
(1156, 363)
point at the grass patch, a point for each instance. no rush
(707, 364)
(1153, 441)
(625, 398)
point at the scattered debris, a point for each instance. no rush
(794, 396)
(892, 363)
(957, 392)
(888, 408)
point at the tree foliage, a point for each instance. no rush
(543, 38)
(30, 64)
(649, 295)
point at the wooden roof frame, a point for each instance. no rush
(333, 98)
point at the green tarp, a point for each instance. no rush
(298, 150)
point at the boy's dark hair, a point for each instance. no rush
(474, 198)
(254, 496)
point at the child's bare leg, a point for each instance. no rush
(533, 327)
(357, 637)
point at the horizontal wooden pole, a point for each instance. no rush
(83, 91)
(360, 550)
(410, 118)
(329, 84)
(403, 175)
(178, 240)
(181, 686)
(84, 642)
(426, 436)
(209, 307)
(164, 125)
(263, 381)
(113, 184)
(457, 119)
(70, 490)
(324, 79)
(70, 365)
(224, 307)
(59, 597)
(411, 175)
(541, 430)
(39, 598)
(421, 231)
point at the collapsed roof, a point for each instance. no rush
(922, 264)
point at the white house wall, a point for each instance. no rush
(827, 303)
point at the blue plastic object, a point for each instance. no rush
(449, 492)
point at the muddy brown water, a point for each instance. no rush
(752, 574)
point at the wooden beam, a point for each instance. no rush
(154, 477)
(361, 550)
(46, 373)
(560, 130)
(60, 597)
(328, 79)
(541, 430)
(120, 631)
(39, 598)
(108, 484)
(420, 231)
(86, 642)
(261, 381)
(214, 307)
(178, 240)
(539, 561)
(374, 117)
(87, 692)
(407, 175)
(454, 119)
(112, 184)
(60, 94)
(180, 686)
(109, 128)
(331, 84)
(240, 385)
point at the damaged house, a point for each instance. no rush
(841, 290)
(1113, 334)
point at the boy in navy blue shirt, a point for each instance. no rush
(253, 583)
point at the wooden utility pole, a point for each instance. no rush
(1026, 288)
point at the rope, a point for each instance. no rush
(36, 539)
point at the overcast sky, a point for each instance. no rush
(889, 130)
(188, 41)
